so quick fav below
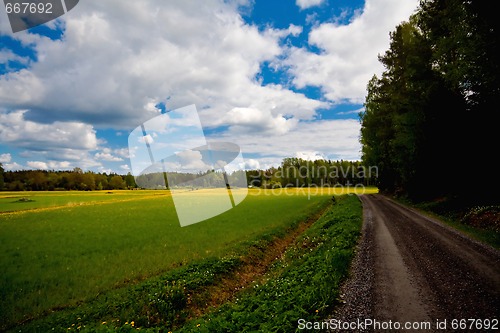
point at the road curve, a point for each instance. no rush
(411, 268)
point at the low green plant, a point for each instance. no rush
(304, 284)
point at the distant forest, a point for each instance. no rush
(293, 172)
(428, 120)
(76, 179)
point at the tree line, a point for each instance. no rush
(292, 172)
(76, 179)
(429, 115)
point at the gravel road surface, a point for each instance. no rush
(414, 270)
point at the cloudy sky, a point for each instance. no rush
(280, 78)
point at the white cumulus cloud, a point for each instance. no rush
(37, 165)
(5, 158)
(108, 157)
(349, 53)
(16, 130)
(304, 4)
(118, 59)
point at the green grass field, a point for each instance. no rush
(59, 249)
(23, 201)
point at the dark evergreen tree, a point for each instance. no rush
(2, 183)
(431, 109)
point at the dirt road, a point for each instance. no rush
(413, 269)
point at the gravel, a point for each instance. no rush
(412, 268)
(357, 291)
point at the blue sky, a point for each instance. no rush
(278, 78)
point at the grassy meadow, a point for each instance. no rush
(61, 249)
